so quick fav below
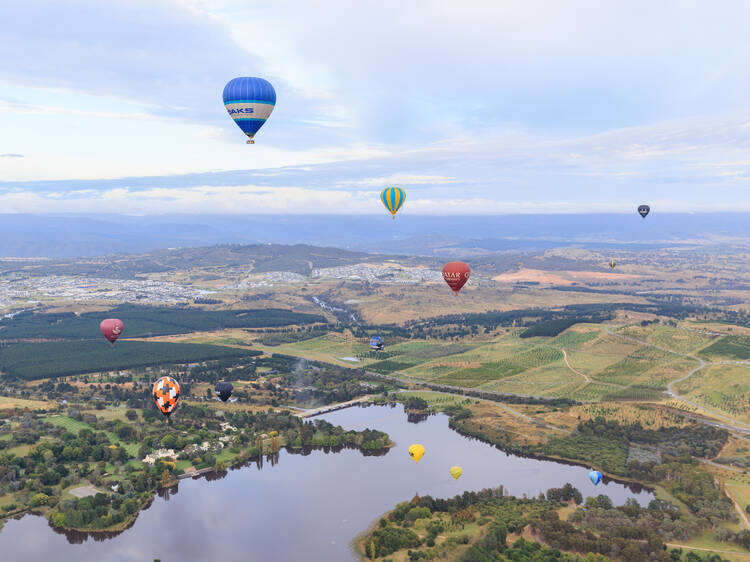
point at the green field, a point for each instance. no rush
(57, 359)
(635, 365)
(145, 321)
(669, 337)
(728, 347)
(725, 388)
(74, 426)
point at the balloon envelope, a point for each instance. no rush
(643, 210)
(612, 264)
(249, 102)
(416, 451)
(456, 472)
(224, 390)
(376, 342)
(595, 476)
(111, 329)
(393, 198)
(166, 394)
(456, 274)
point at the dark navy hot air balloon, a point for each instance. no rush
(643, 210)
(249, 102)
(224, 390)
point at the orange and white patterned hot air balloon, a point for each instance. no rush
(166, 394)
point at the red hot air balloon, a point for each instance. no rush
(111, 329)
(456, 274)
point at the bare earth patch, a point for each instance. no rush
(85, 491)
(560, 277)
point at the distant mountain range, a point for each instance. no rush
(85, 236)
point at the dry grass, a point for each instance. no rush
(9, 403)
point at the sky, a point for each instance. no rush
(488, 107)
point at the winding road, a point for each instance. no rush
(730, 423)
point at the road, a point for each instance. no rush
(686, 547)
(585, 377)
(565, 356)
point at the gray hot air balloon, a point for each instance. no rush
(643, 210)
(224, 390)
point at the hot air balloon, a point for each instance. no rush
(612, 264)
(166, 394)
(223, 390)
(416, 451)
(456, 472)
(595, 476)
(249, 102)
(111, 329)
(643, 210)
(393, 198)
(456, 274)
(376, 343)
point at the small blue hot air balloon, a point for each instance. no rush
(249, 102)
(376, 343)
(595, 476)
(393, 198)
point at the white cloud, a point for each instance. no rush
(480, 106)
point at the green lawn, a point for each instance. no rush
(74, 426)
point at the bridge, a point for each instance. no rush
(332, 407)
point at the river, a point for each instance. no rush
(304, 506)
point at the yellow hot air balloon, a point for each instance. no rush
(416, 451)
(393, 198)
(456, 472)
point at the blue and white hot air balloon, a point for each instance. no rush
(595, 476)
(249, 102)
(376, 343)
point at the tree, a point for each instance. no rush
(168, 441)
(132, 415)
(39, 499)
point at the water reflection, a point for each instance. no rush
(323, 498)
(413, 417)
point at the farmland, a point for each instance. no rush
(57, 359)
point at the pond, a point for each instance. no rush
(305, 506)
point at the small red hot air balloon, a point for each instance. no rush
(456, 274)
(111, 329)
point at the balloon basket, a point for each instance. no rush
(250, 142)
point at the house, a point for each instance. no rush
(160, 454)
(193, 449)
(225, 426)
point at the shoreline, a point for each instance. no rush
(236, 464)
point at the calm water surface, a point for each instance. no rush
(304, 507)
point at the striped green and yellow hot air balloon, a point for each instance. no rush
(393, 198)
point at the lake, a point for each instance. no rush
(305, 506)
